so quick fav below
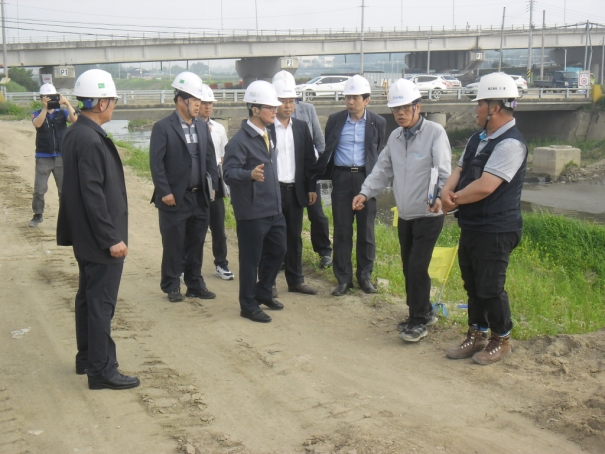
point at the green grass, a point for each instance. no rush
(555, 280)
(10, 111)
(135, 125)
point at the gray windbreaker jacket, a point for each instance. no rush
(407, 164)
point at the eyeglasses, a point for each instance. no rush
(115, 100)
(405, 108)
(271, 108)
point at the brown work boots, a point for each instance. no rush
(482, 350)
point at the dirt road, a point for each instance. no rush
(328, 375)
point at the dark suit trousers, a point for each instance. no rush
(483, 258)
(183, 235)
(417, 238)
(217, 228)
(293, 213)
(345, 186)
(320, 230)
(95, 305)
(262, 248)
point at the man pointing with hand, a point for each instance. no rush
(250, 169)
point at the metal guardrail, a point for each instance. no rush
(154, 97)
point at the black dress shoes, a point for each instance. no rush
(272, 304)
(203, 293)
(118, 381)
(256, 316)
(325, 261)
(302, 288)
(367, 286)
(341, 289)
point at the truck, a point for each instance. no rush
(560, 79)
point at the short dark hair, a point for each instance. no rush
(250, 106)
(365, 96)
(181, 94)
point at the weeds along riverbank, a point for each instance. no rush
(556, 277)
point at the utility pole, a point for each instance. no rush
(602, 60)
(361, 45)
(542, 60)
(453, 14)
(428, 58)
(256, 15)
(501, 39)
(4, 57)
(531, 24)
(586, 47)
(221, 14)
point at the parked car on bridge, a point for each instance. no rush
(471, 89)
(451, 81)
(322, 86)
(427, 82)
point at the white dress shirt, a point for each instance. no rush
(286, 164)
(219, 139)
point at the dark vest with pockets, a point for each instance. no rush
(49, 136)
(501, 210)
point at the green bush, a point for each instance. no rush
(24, 78)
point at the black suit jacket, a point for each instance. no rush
(375, 141)
(93, 209)
(304, 158)
(170, 161)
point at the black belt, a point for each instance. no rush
(351, 169)
(193, 189)
(286, 185)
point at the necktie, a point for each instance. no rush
(266, 137)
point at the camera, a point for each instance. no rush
(54, 101)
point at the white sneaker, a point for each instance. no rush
(224, 273)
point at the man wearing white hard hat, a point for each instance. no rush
(414, 150)
(320, 226)
(93, 218)
(185, 177)
(217, 206)
(354, 139)
(251, 172)
(486, 189)
(295, 155)
(50, 123)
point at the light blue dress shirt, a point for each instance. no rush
(350, 151)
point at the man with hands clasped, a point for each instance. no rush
(412, 150)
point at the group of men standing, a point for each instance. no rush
(270, 168)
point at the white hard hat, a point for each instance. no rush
(95, 83)
(498, 86)
(357, 85)
(189, 83)
(207, 94)
(261, 92)
(284, 75)
(403, 92)
(48, 89)
(285, 88)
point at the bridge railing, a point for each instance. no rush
(226, 34)
(165, 97)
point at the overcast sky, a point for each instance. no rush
(42, 17)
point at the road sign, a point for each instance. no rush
(584, 79)
(47, 78)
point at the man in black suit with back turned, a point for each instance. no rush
(185, 176)
(354, 139)
(295, 155)
(93, 218)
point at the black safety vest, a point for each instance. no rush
(501, 210)
(49, 136)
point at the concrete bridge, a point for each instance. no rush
(260, 50)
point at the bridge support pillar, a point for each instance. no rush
(440, 118)
(263, 68)
(444, 61)
(63, 77)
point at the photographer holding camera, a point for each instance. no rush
(51, 123)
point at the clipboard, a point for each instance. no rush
(433, 190)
